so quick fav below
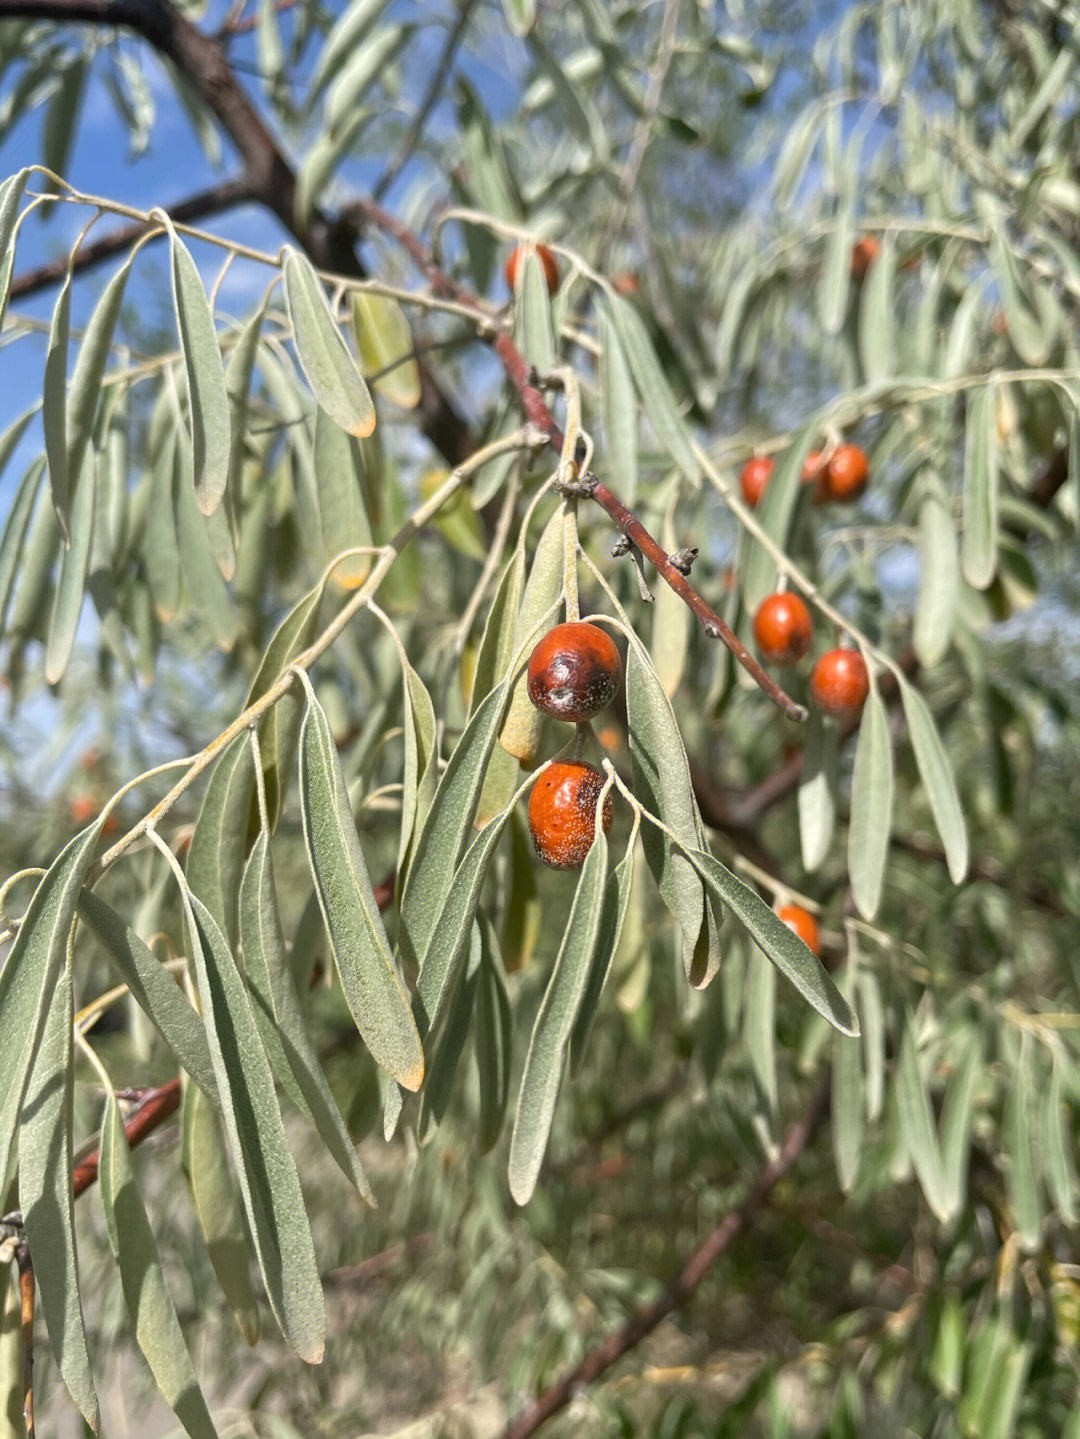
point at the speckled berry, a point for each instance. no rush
(547, 260)
(562, 810)
(754, 477)
(803, 923)
(782, 628)
(839, 683)
(574, 671)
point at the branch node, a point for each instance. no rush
(580, 487)
(683, 560)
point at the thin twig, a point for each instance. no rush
(644, 1320)
(26, 1319)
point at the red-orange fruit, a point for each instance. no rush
(574, 671)
(803, 923)
(547, 260)
(863, 254)
(846, 473)
(562, 810)
(83, 808)
(839, 683)
(754, 478)
(782, 628)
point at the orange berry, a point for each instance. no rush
(562, 809)
(547, 260)
(628, 283)
(112, 823)
(803, 923)
(839, 683)
(574, 671)
(782, 628)
(863, 254)
(754, 478)
(82, 808)
(846, 473)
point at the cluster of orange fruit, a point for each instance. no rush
(838, 476)
(839, 682)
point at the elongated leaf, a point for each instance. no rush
(1057, 1147)
(651, 384)
(871, 806)
(662, 784)
(366, 62)
(1023, 1185)
(30, 974)
(497, 643)
(446, 1049)
(447, 827)
(208, 398)
(71, 581)
(520, 15)
(369, 981)
(54, 406)
(835, 283)
(279, 1017)
(26, 500)
(936, 773)
(45, 1193)
(781, 945)
(848, 1098)
(817, 790)
(520, 735)
(385, 343)
(618, 412)
(342, 515)
(917, 1125)
(759, 1036)
(1031, 317)
(872, 1023)
(269, 1184)
(161, 548)
(324, 357)
(219, 840)
(354, 23)
(776, 513)
(979, 540)
(532, 314)
(280, 727)
(157, 1329)
(957, 1114)
(421, 769)
(202, 578)
(154, 989)
(877, 314)
(554, 1023)
(85, 391)
(671, 620)
(939, 575)
(238, 373)
(219, 1207)
(494, 1038)
(616, 903)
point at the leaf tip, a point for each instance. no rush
(413, 1077)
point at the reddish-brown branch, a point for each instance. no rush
(26, 1321)
(645, 1320)
(157, 1105)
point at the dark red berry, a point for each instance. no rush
(574, 671)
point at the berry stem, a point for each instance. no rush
(570, 553)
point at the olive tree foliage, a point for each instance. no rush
(278, 539)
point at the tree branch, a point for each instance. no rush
(645, 1320)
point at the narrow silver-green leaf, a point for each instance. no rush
(818, 785)
(759, 1037)
(208, 397)
(1031, 315)
(160, 547)
(1057, 1147)
(71, 580)
(342, 515)
(330, 369)
(497, 642)
(957, 1116)
(939, 781)
(281, 725)
(532, 314)
(835, 282)
(279, 1017)
(546, 1055)
(45, 1193)
(367, 61)
(651, 382)
(269, 1183)
(780, 944)
(872, 1023)
(520, 735)
(776, 513)
(877, 314)
(54, 406)
(85, 389)
(374, 993)
(349, 30)
(448, 1046)
(157, 1329)
(1023, 1185)
(238, 373)
(31, 972)
(218, 1206)
(616, 904)
(385, 344)
(618, 412)
(871, 806)
(420, 772)
(219, 840)
(27, 498)
(203, 582)
(848, 1107)
(671, 620)
(494, 1038)
(662, 784)
(939, 575)
(917, 1125)
(979, 540)
(153, 988)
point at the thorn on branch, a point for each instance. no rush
(683, 560)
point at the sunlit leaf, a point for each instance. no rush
(872, 786)
(328, 366)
